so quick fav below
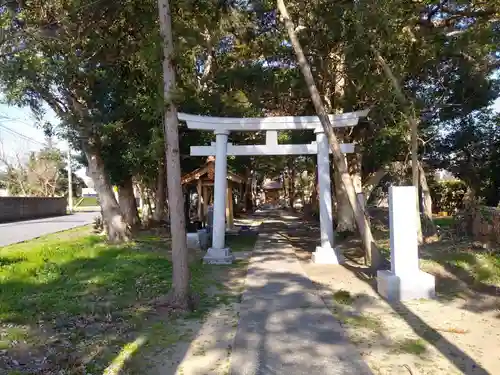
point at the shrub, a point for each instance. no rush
(448, 195)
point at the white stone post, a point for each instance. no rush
(405, 280)
(218, 253)
(326, 253)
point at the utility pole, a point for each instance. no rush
(70, 183)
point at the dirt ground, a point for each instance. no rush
(202, 346)
(457, 333)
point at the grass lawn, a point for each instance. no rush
(241, 242)
(444, 221)
(71, 303)
(454, 259)
(88, 201)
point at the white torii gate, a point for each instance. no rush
(222, 126)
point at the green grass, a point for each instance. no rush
(243, 242)
(51, 278)
(343, 297)
(78, 296)
(88, 202)
(474, 266)
(444, 221)
(412, 346)
(344, 310)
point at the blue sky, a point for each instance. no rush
(19, 134)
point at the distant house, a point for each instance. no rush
(272, 191)
(88, 192)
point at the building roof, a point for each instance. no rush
(209, 170)
(271, 185)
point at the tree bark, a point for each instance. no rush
(160, 192)
(128, 205)
(179, 295)
(253, 189)
(247, 195)
(292, 187)
(345, 217)
(413, 130)
(115, 226)
(373, 256)
(372, 182)
(427, 202)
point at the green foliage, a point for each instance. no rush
(448, 196)
(470, 150)
(233, 59)
(40, 174)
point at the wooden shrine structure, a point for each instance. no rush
(203, 179)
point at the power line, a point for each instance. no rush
(25, 137)
(4, 116)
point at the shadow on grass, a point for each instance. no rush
(461, 270)
(478, 269)
(80, 305)
(241, 242)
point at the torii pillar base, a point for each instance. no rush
(218, 256)
(327, 255)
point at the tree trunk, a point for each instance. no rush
(128, 205)
(413, 130)
(372, 253)
(247, 195)
(292, 187)
(179, 295)
(146, 205)
(345, 217)
(372, 182)
(160, 192)
(115, 226)
(254, 191)
(427, 202)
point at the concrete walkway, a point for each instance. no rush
(284, 327)
(20, 231)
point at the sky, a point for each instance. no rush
(19, 134)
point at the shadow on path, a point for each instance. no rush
(462, 361)
(284, 327)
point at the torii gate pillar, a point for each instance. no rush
(218, 253)
(326, 252)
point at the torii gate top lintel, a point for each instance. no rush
(268, 123)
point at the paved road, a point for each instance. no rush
(26, 230)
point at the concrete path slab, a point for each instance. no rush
(20, 231)
(284, 326)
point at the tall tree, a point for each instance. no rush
(371, 250)
(58, 53)
(180, 287)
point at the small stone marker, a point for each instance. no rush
(405, 280)
(203, 238)
(193, 241)
(210, 218)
